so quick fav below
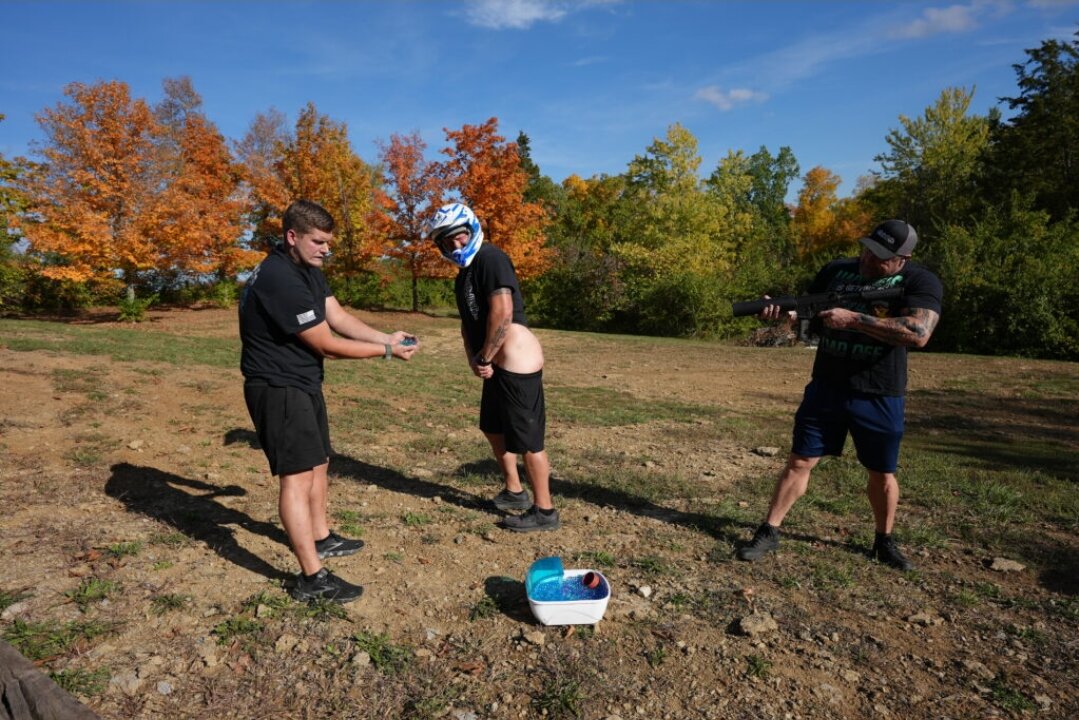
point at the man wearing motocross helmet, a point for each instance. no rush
(503, 351)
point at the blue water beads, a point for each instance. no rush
(567, 588)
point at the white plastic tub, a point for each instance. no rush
(572, 611)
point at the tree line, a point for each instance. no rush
(126, 200)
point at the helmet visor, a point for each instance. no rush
(444, 240)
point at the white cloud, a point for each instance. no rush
(934, 21)
(1051, 4)
(811, 55)
(730, 99)
(953, 19)
(517, 14)
(522, 14)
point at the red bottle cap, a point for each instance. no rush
(590, 580)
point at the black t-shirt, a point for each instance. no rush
(490, 270)
(856, 360)
(279, 300)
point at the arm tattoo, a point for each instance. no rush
(499, 322)
(912, 329)
(499, 337)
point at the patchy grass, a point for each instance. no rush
(82, 682)
(1007, 697)
(7, 599)
(385, 656)
(485, 608)
(236, 628)
(92, 590)
(124, 549)
(40, 641)
(758, 667)
(415, 519)
(169, 602)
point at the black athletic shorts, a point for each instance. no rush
(512, 405)
(291, 425)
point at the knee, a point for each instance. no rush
(798, 465)
(883, 481)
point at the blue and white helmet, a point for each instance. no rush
(454, 217)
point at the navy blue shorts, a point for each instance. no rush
(512, 405)
(829, 412)
(291, 425)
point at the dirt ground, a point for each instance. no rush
(95, 453)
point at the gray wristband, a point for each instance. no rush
(389, 352)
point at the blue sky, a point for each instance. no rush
(592, 82)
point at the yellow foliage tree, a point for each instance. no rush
(823, 223)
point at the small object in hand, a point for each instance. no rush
(590, 580)
(409, 341)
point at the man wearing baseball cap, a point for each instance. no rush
(859, 380)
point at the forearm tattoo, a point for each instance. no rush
(912, 329)
(496, 335)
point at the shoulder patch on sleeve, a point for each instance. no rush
(306, 317)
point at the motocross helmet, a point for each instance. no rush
(450, 219)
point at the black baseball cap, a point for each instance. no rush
(891, 238)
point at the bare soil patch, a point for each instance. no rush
(97, 453)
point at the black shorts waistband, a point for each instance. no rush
(522, 376)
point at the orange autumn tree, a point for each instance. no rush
(197, 221)
(97, 180)
(315, 162)
(319, 164)
(413, 188)
(486, 171)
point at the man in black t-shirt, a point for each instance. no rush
(290, 322)
(503, 351)
(859, 381)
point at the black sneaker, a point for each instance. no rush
(507, 500)
(764, 541)
(532, 521)
(324, 586)
(333, 545)
(886, 551)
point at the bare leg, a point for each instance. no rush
(294, 505)
(790, 486)
(320, 527)
(539, 475)
(507, 462)
(883, 492)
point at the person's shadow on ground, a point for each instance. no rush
(241, 436)
(389, 479)
(720, 527)
(189, 506)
